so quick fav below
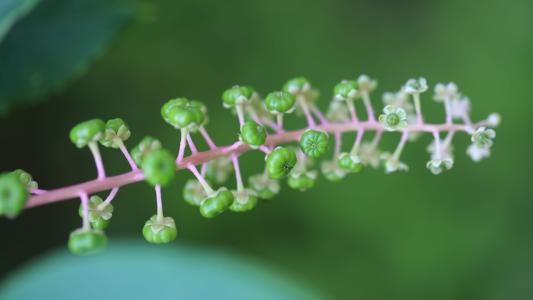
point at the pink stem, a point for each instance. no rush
(400, 146)
(85, 207)
(109, 198)
(207, 138)
(94, 186)
(183, 143)
(159, 202)
(448, 109)
(338, 143)
(126, 153)
(358, 140)
(323, 120)
(192, 146)
(208, 190)
(310, 122)
(203, 171)
(437, 144)
(369, 108)
(264, 149)
(38, 191)
(93, 146)
(351, 108)
(237, 169)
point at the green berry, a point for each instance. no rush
(245, 200)
(82, 241)
(314, 143)
(280, 162)
(98, 217)
(115, 133)
(87, 132)
(26, 179)
(350, 162)
(183, 113)
(159, 167)
(193, 192)
(265, 187)
(13, 195)
(237, 94)
(218, 170)
(297, 85)
(280, 102)
(160, 230)
(217, 203)
(253, 134)
(346, 89)
(146, 146)
(331, 171)
(301, 182)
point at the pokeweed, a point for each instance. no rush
(261, 129)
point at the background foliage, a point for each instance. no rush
(463, 235)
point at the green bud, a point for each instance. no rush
(301, 182)
(83, 241)
(297, 85)
(13, 195)
(146, 146)
(218, 170)
(280, 102)
(314, 143)
(350, 162)
(159, 167)
(265, 187)
(115, 133)
(160, 230)
(280, 162)
(86, 132)
(331, 171)
(217, 203)
(193, 192)
(253, 134)
(98, 217)
(245, 200)
(237, 94)
(346, 89)
(26, 179)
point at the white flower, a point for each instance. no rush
(460, 107)
(337, 112)
(483, 137)
(494, 120)
(437, 166)
(392, 164)
(369, 154)
(446, 150)
(477, 153)
(445, 91)
(366, 83)
(398, 99)
(415, 86)
(394, 118)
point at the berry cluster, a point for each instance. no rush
(261, 129)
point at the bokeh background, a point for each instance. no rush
(466, 234)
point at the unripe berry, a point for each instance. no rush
(350, 162)
(280, 162)
(87, 132)
(244, 200)
(146, 146)
(83, 241)
(280, 102)
(217, 203)
(159, 167)
(253, 134)
(301, 182)
(314, 143)
(160, 230)
(115, 133)
(98, 217)
(265, 187)
(13, 195)
(346, 89)
(237, 94)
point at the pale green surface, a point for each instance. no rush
(134, 270)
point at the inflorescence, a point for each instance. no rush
(261, 124)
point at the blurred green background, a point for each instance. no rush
(466, 234)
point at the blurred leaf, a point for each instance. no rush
(56, 41)
(11, 11)
(135, 270)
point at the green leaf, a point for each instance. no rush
(57, 40)
(133, 270)
(11, 11)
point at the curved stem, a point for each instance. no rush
(109, 198)
(357, 142)
(183, 142)
(401, 144)
(127, 155)
(208, 190)
(94, 186)
(93, 146)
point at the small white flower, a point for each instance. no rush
(477, 153)
(392, 164)
(337, 112)
(445, 91)
(446, 151)
(494, 120)
(366, 83)
(460, 107)
(483, 137)
(415, 86)
(369, 154)
(398, 99)
(393, 118)
(437, 166)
